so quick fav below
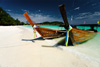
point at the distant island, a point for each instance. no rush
(51, 23)
(6, 19)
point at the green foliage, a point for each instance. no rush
(52, 23)
(6, 19)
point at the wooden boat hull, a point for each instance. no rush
(82, 35)
(77, 35)
(50, 33)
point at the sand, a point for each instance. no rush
(18, 48)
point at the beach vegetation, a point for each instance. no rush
(6, 19)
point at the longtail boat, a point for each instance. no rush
(70, 36)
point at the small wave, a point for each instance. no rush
(94, 62)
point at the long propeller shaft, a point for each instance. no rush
(28, 18)
(63, 14)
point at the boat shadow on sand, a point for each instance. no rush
(55, 45)
(40, 38)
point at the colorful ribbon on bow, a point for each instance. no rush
(67, 35)
(34, 30)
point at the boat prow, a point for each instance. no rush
(70, 36)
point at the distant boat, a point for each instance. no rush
(66, 37)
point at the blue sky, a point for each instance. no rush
(47, 10)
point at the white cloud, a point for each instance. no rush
(25, 10)
(35, 17)
(8, 10)
(83, 14)
(96, 14)
(94, 4)
(87, 15)
(17, 16)
(80, 17)
(39, 10)
(77, 8)
(41, 18)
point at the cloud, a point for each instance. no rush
(77, 8)
(78, 19)
(35, 17)
(41, 18)
(25, 10)
(88, 15)
(96, 14)
(94, 4)
(39, 10)
(83, 15)
(8, 10)
(17, 16)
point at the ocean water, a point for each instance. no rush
(88, 50)
(91, 48)
(55, 27)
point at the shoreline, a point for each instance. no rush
(77, 53)
(20, 49)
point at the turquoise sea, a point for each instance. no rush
(89, 49)
(56, 27)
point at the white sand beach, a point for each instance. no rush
(19, 49)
